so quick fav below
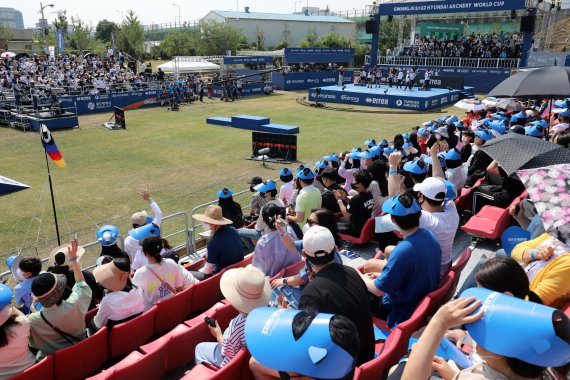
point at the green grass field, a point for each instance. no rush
(181, 159)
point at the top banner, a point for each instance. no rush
(246, 60)
(318, 55)
(450, 6)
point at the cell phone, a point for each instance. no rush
(517, 208)
(211, 322)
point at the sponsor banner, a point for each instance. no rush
(450, 6)
(443, 82)
(482, 79)
(88, 104)
(318, 55)
(247, 60)
(379, 100)
(303, 81)
(248, 89)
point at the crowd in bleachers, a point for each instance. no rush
(323, 310)
(493, 45)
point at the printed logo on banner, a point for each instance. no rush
(353, 99)
(443, 100)
(91, 105)
(368, 100)
(454, 97)
(434, 102)
(288, 82)
(399, 102)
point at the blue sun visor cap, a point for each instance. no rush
(225, 193)
(427, 124)
(452, 119)
(499, 116)
(407, 145)
(423, 132)
(452, 155)
(485, 120)
(354, 155)
(441, 120)
(459, 125)
(356, 150)
(432, 128)
(393, 206)
(269, 338)
(306, 173)
(321, 165)
(376, 151)
(10, 261)
(514, 119)
(541, 123)
(107, 235)
(5, 296)
(498, 126)
(416, 167)
(388, 151)
(266, 186)
(519, 329)
(441, 157)
(384, 143)
(533, 131)
(484, 135)
(564, 113)
(520, 115)
(370, 143)
(331, 158)
(450, 191)
(284, 173)
(145, 231)
(366, 154)
(560, 103)
(406, 136)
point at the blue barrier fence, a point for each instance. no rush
(247, 89)
(88, 104)
(303, 81)
(482, 80)
(318, 55)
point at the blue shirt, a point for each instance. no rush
(23, 296)
(225, 248)
(412, 271)
(536, 228)
(271, 255)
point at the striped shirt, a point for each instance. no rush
(234, 339)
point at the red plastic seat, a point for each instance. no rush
(233, 370)
(278, 275)
(439, 296)
(42, 370)
(294, 269)
(173, 310)
(206, 293)
(490, 222)
(242, 264)
(148, 366)
(458, 267)
(375, 368)
(465, 199)
(195, 266)
(130, 335)
(90, 315)
(366, 235)
(82, 359)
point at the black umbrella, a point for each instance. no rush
(513, 152)
(553, 81)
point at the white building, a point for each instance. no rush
(276, 26)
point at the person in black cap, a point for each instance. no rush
(257, 201)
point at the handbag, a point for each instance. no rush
(166, 284)
(68, 337)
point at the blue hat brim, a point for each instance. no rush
(393, 206)
(145, 231)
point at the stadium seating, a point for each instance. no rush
(465, 200)
(279, 128)
(82, 359)
(457, 268)
(90, 315)
(491, 221)
(237, 368)
(130, 335)
(366, 235)
(173, 310)
(206, 293)
(438, 296)
(219, 120)
(293, 269)
(375, 368)
(42, 370)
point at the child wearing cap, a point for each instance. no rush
(286, 190)
(245, 289)
(28, 268)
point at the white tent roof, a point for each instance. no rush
(189, 67)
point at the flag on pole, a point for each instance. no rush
(49, 145)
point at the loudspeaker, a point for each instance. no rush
(283, 147)
(390, 18)
(370, 26)
(513, 14)
(527, 24)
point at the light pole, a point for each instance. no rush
(237, 5)
(179, 18)
(122, 14)
(297, 2)
(44, 26)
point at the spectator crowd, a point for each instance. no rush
(407, 187)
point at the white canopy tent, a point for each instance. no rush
(179, 66)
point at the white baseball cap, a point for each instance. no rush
(318, 241)
(432, 188)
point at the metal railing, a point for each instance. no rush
(447, 61)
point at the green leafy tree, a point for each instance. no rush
(179, 43)
(259, 38)
(217, 37)
(333, 40)
(81, 39)
(285, 37)
(360, 51)
(105, 29)
(5, 35)
(61, 22)
(312, 39)
(131, 36)
(388, 38)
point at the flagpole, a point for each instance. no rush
(52, 201)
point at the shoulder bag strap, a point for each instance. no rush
(68, 337)
(161, 280)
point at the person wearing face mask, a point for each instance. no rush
(24, 270)
(467, 137)
(480, 160)
(359, 208)
(224, 248)
(257, 201)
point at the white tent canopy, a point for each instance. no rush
(189, 67)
